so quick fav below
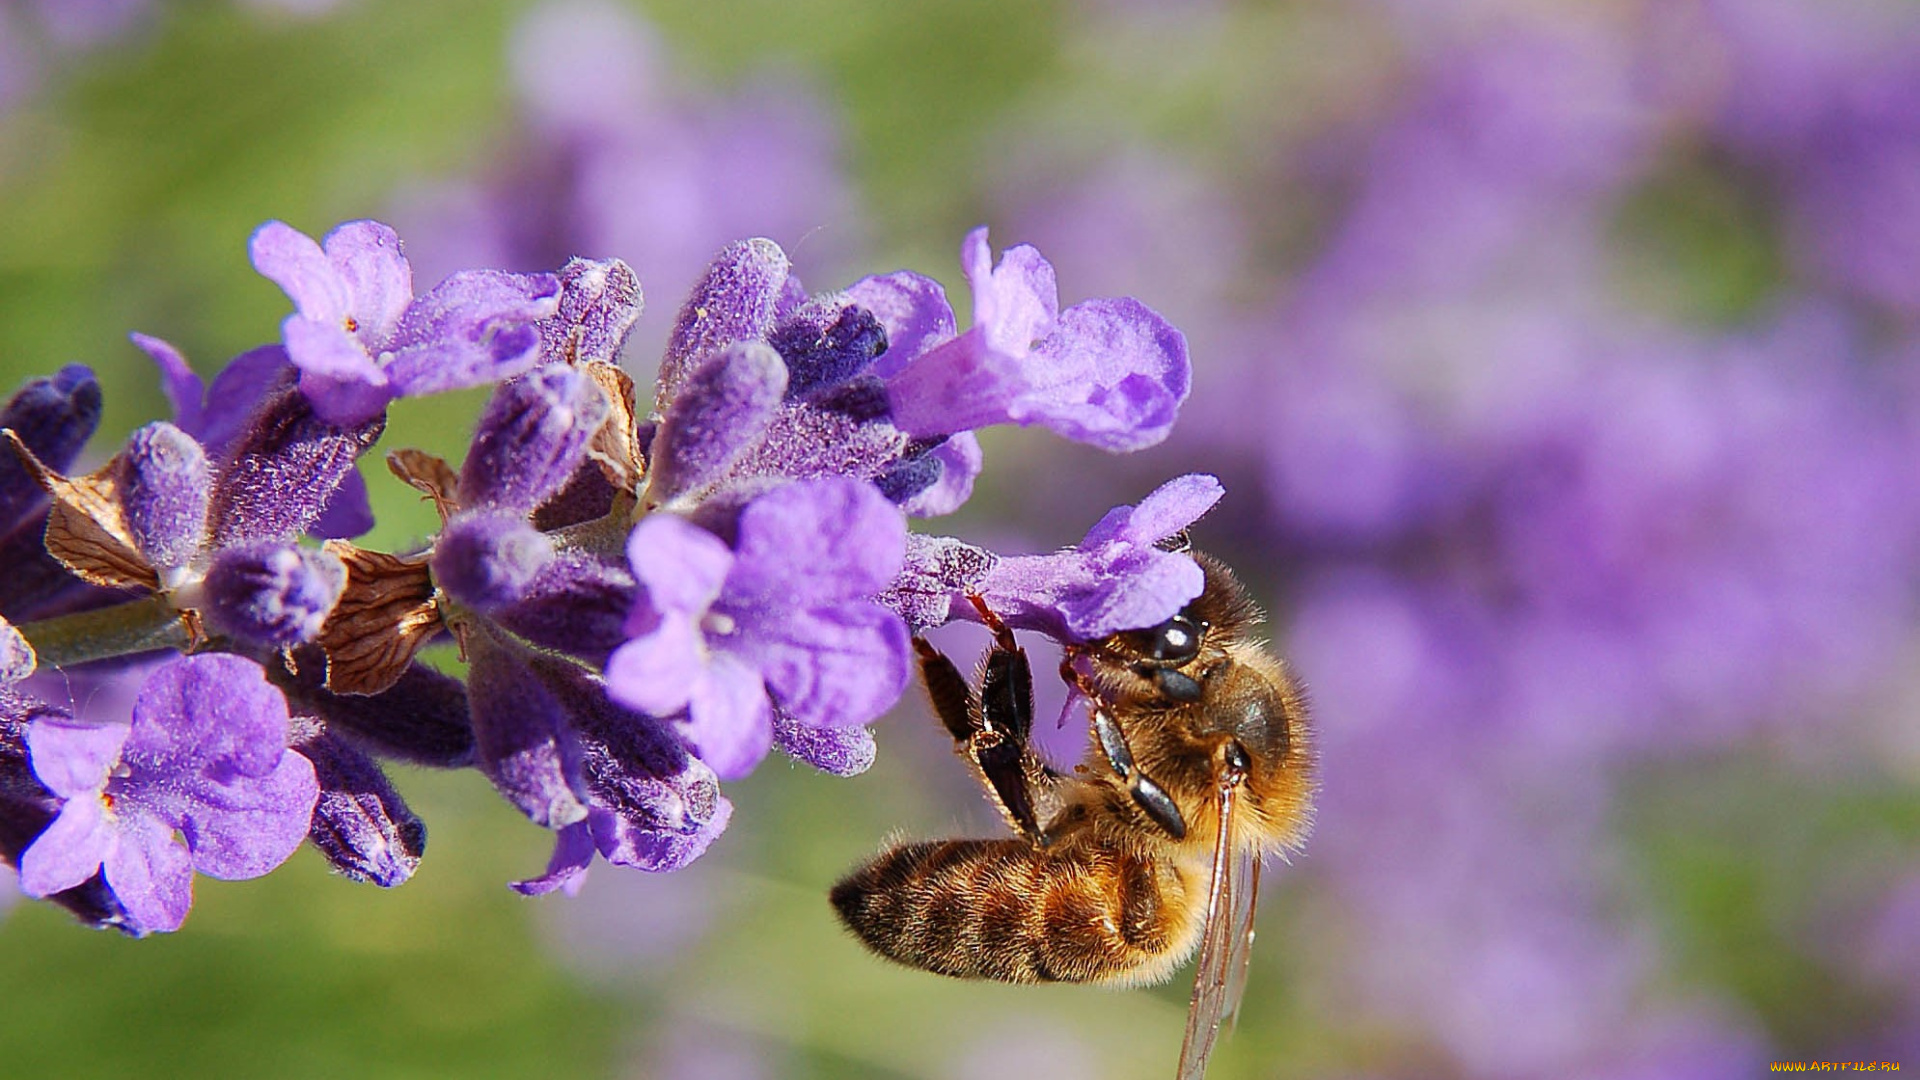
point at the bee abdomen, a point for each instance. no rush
(1005, 910)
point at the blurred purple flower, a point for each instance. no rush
(781, 618)
(1732, 521)
(626, 158)
(206, 756)
(85, 24)
(19, 67)
(361, 339)
(1828, 96)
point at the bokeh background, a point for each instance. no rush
(1562, 361)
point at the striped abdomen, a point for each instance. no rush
(1006, 910)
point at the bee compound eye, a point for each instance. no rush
(1175, 641)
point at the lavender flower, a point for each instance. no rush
(648, 604)
(843, 388)
(361, 339)
(205, 755)
(780, 618)
(1106, 372)
(1117, 578)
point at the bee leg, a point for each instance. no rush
(991, 737)
(1147, 794)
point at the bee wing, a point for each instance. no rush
(1230, 900)
(1246, 870)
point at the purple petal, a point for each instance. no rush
(567, 867)
(70, 850)
(1112, 374)
(71, 757)
(205, 715)
(184, 389)
(842, 751)
(960, 463)
(292, 260)
(817, 541)
(960, 385)
(273, 593)
(1139, 592)
(657, 673)
(729, 721)
(836, 667)
(344, 384)
(1015, 302)
(151, 874)
(735, 301)
(242, 827)
(721, 410)
(682, 565)
(165, 485)
(379, 282)
(914, 311)
(347, 512)
(1171, 507)
(474, 328)
(238, 391)
(657, 850)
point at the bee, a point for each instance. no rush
(1200, 762)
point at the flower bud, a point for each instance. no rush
(723, 408)
(840, 751)
(283, 470)
(532, 436)
(165, 484)
(735, 301)
(273, 593)
(599, 303)
(578, 605)
(360, 824)
(520, 732)
(826, 344)
(488, 560)
(421, 718)
(54, 416)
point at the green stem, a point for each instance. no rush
(601, 536)
(137, 626)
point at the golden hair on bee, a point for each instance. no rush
(1200, 762)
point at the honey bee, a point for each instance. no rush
(1200, 762)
